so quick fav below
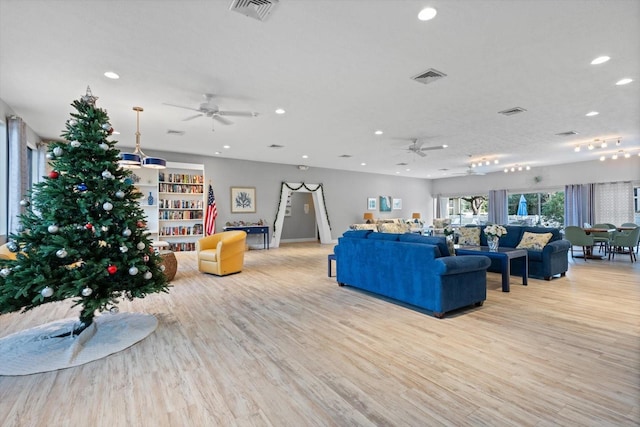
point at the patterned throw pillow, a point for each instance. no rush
(469, 236)
(391, 227)
(535, 241)
(371, 227)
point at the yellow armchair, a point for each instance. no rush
(221, 253)
(6, 254)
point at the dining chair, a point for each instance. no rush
(625, 240)
(578, 237)
(603, 238)
(631, 224)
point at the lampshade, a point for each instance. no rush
(415, 215)
(138, 158)
(368, 216)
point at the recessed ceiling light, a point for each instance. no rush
(363, 164)
(602, 158)
(397, 172)
(623, 82)
(218, 152)
(600, 60)
(226, 146)
(111, 75)
(444, 145)
(378, 132)
(408, 170)
(592, 113)
(304, 156)
(280, 111)
(427, 14)
(115, 132)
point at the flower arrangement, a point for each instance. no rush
(495, 230)
(449, 230)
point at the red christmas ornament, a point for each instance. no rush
(112, 269)
(53, 174)
(110, 131)
(141, 224)
(89, 226)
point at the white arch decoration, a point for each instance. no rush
(317, 192)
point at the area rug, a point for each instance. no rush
(40, 349)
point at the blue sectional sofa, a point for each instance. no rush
(411, 268)
(552, 260)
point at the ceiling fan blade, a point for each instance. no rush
(180, 106)
(420, 153)
(237, 113)
(436, 147)
(222, 120)
(192, 117)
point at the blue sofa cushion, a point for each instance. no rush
(357, 234)
(384, 236)
(440, 242)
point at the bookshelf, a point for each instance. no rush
(181, 204)
(176, 214)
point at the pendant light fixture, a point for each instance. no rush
(138, 158)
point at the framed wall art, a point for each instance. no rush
(372, 204)
(385, 203)
(397, 204)
(243, 199)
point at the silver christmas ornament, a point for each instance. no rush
(140, 245)
(57, 151)
(133, 271)
(47, 292)
(162, 267)
(106, 126)
(126, 232)
(107, 206)
(106, 174)
(145, 258)
(12, 246)
(24, 202)
(104, 146)
(5, 272)
(72, 122)
(147, 275)
(53, 229)
(50, 156)
(123, 249)
(87, 291)
(75, 144)
(120, 194)
(61, 253)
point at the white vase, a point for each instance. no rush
(493, 242)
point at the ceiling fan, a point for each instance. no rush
(209, 109)
(470, 172)
(416, 147)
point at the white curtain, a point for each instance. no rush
(498, 209)
(614, 203)
(18, 169)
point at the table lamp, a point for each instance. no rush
(368, 217)
(416, 217)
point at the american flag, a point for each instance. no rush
(212, 213)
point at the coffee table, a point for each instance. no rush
(505, 255)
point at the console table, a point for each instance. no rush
(254, 229)
(505, 255)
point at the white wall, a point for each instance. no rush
(551, 177)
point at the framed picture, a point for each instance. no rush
(372, 204)
(397, 204)
(385, 203)
(243, 199)
(287, 211)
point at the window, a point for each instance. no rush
(468, 209)
(544, 209)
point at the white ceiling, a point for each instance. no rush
(341, 70)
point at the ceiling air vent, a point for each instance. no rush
(431, 75)
(567, 133)
(256, 9)
(346, 156)
(402, 164)
(175, 132)
(275, 146)
(512, 111)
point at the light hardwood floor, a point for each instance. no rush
(280, 344)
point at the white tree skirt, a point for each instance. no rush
(37, 350)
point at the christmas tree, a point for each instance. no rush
(83, 234)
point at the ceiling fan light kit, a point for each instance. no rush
(137, 158)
